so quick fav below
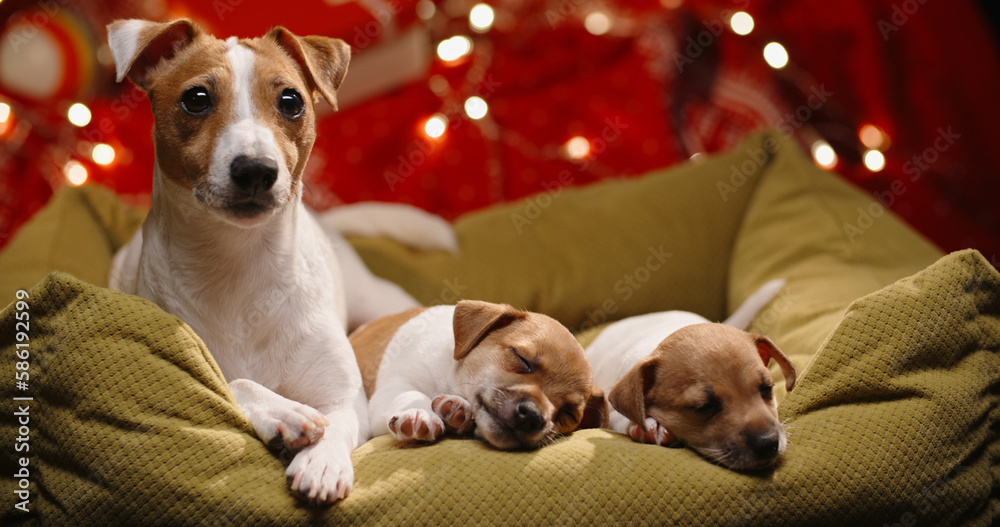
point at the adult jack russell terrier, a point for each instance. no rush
(516, 378)
(228, 245)
(674, 378)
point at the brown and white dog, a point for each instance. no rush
(674, 378)
(518, 379)
(229, 247)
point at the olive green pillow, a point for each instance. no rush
(131, 423)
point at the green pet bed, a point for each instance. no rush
(893, 420)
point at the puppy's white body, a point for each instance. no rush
(418, 364)
(624, 343)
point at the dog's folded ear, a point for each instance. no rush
(595, 414)
(323, 60)
(628, 396)
(138, 46)
(767, 351)
(474, 321)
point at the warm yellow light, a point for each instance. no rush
(76, 174)
(597, 23)
(79, 114)
(872, 136)
(476, 107)
(4, 112)
(103, 154)
(436, 125)
(454, 48)
(481, 17)
(874, 160)
(775, 55)
(577, 148)
(426, 9)
(742, 23)
(824, 155)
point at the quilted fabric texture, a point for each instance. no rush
(893, 423)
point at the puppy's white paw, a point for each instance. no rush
(456, 412)
(321, 474)
(416, 425)
(654, 434)
(297, 424)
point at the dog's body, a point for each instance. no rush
(516, 378)
(228, 245)
(675, 378)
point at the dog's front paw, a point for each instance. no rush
(456, 413)
(654, 434)
(303, 427)
(416, 425)
(320, 474)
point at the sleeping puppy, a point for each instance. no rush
(676, 379)
(517, 379)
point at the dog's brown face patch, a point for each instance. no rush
(184, 141)
(531, 382)
(227, 110)
(713, 393)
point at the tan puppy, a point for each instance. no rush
(705, 385)
(517, 379)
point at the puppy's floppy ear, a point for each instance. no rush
(139, 45)
(595, 415)
(767, 351)
(323, 60)
(629, 394)
(474, 320)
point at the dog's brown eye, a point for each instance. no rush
(196, 100)
(290, 103)
(766, 391)
(525, 366)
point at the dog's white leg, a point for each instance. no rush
(272, 415)
(322, 472)
(652, 433)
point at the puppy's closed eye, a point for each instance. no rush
(767, 391)
(523, 365)
(708, 408)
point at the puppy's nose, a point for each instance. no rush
(527, 418)
(763, 444)
(253, 175)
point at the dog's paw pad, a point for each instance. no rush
(416, 425)
(456, 412)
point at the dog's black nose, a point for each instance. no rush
(253, 175)
(527, 418)
(764, 444)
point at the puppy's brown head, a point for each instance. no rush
(708, 384)
(235, 119)
(526, 376)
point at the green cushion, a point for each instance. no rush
(131, 423)
(891, 422)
